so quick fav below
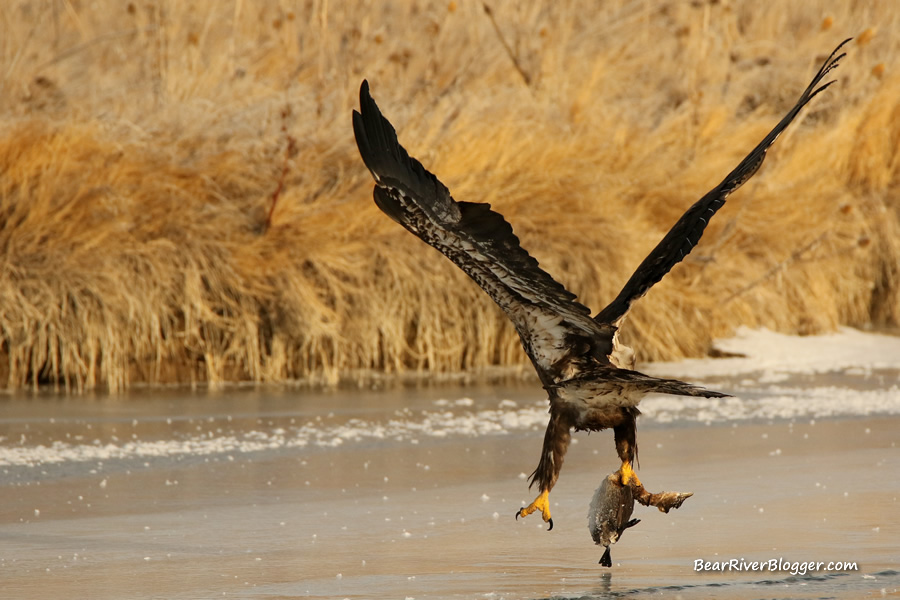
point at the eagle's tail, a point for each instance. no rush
(654, 385)
(632, 383)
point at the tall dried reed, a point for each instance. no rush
(144, 144)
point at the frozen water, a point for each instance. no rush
(846, 374)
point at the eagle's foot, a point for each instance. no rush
(542, 504)
(628, 476)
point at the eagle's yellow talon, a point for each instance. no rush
(542, 504)
(628, 475)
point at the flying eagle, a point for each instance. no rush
(587, 373)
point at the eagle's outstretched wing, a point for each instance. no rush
(552, 325)
(682, 238)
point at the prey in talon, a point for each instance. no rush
(613, 503)
(580, 359)
(610, 513)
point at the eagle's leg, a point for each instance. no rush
(556, 442)
(626, 445)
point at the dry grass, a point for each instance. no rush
(141, 145)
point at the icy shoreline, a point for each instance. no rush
(846, 374)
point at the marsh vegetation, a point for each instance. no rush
(181, 198)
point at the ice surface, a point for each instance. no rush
(848, 373)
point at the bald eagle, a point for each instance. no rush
(588, 374)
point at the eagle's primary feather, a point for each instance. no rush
(686, 233)
(547, 317)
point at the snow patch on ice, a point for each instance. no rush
(776, 354)
(788, 403)
(411, 427)
(780, 403)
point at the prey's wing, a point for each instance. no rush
(550, 323)
(682, 238)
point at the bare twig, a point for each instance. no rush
(779, 267)
(161, 57)
(289, 151)
(74, 50)
(512, 56)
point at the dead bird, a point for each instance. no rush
(610, 513)
(613, 503)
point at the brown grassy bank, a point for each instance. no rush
(141, 144)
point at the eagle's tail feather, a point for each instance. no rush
(601, 381)
(653, 385)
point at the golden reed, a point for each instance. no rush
(142, 144)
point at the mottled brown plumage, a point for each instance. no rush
(587, 374)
